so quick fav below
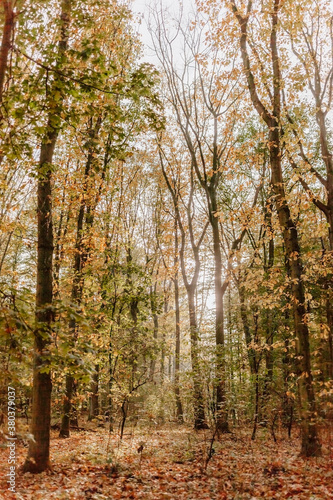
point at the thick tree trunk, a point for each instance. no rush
(38, 453)
(306, 397)
(5, 44)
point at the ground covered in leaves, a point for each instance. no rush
(174, 463)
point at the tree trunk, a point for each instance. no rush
(152, 293)
(247, 331)
(306, 397)
(179, 407)
(329, 315)
(67, 407)
(94, 405)
(39, 450)
(257, 404)
(7, 38)
(6, 44)
(269, 318)
(269, 365)
(199, 409)
(288, 402)
(222, 412)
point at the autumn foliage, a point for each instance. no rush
(166, 239)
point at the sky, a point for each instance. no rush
(141, 8)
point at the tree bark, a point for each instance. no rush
(221, 409)
(152, 293)
(199, 409)
(179, 407)
(6, 44)
(39, 450)
(269, 316)
(94, 404)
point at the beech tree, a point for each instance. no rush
(39, 448)
(272, 118)
(310, 35)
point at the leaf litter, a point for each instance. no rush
(171, 463)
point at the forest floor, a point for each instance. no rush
(170, 462)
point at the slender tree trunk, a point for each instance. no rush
(257, 404)
(328, 160)
(59, 236)
(112, 365)
(134, 309)
(269, 318)
(67, 407)
(328, 341)
(110, 387)
(166, 309)
(199, 409)
(329, 315)
(179, 407)
(269, 362)
(94, 404)
(152, 293)
(39, 448)
(222, 412)
(247, 330)
(288, 402)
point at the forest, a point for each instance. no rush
(166, 249)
